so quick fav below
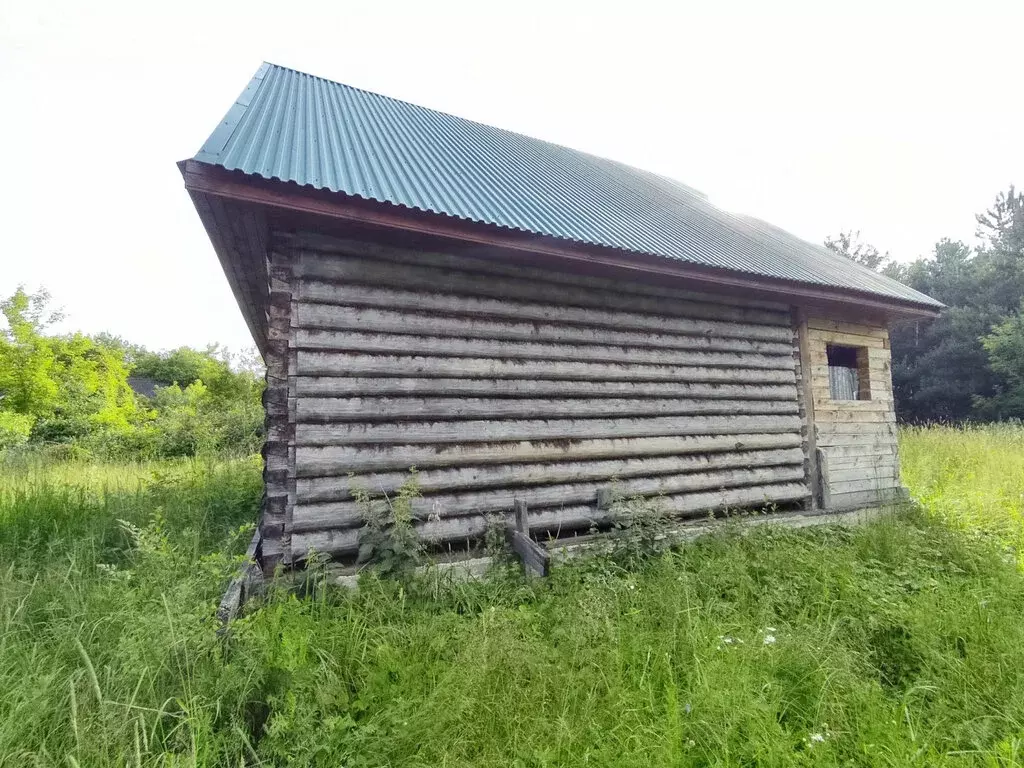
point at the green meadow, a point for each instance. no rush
(899, 642)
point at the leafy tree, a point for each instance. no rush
(958, 366)
(850, 245)
(26, 356)
(73, 388)
(1005, 347)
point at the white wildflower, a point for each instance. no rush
(769, 639)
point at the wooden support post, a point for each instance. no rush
(248, 579)
(522, 518)
(806, 395)
(536, 559)
(826, 495)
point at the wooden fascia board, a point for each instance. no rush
(290, 197)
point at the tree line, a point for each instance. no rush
(103, 396)
(968, 363)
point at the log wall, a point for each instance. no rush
(855, 439)
(501, 382)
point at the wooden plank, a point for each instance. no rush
(876, 368)
(877, 472)
(334, 460)
(560, 519)
(245, 580)
(536, 559)
(854, 406)
(350, 270)
(862, 499)
(868, 451)
(884, 461)
(347, 386)
(435, 432)
(823, 488)
(343, 364)
(443, 346)
(334, 409)
(839, 416)
(872, 442)
(863, 484)
(343, 514)
(846, 339)
(881, 392)
(870, 430)
(522, 518)
(409, 321)
(525, 309)
(315, 241)
(342, 487)
(841, 326)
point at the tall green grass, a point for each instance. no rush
(971, 478)
(898, 643)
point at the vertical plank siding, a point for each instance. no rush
(855, 438)
(502, 383)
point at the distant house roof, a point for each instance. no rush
(299, 128)
(141, 385)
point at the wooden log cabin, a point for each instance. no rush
(521, 321)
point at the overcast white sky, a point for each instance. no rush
(901, 119)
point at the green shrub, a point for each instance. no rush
(15, 429)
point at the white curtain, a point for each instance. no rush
(843, 383)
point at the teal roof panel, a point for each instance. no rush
(295, 127)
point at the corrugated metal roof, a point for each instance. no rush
(296, 127)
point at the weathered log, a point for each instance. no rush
(407, 321)
(444, 346)
(564, 519)
(527, 309)
(328, 245)
(353, 364)
(348, 386)
(315, 410)
(339, 488)
(350, 270)
(315, 461)
(343, 514)
(435, 432)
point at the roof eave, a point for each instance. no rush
(201, 177)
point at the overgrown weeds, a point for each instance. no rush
(897, 643)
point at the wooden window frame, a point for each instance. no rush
(861, 366)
